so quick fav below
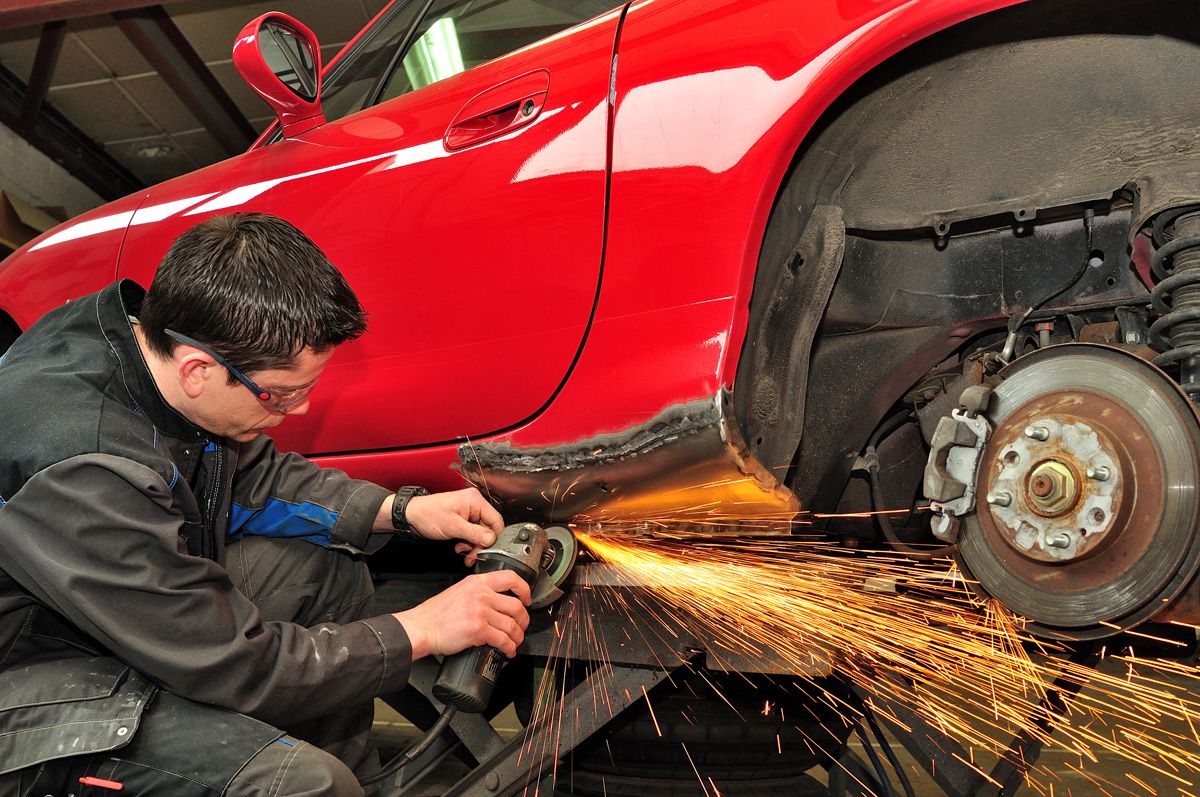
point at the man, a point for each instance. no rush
(181, 604)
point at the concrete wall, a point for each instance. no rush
(29, 175)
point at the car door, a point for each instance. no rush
(466, 208)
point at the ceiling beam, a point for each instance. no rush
(55, 136)
(44, 62)
(161, 43)
(16, 13)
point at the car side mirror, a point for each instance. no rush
(281, 60)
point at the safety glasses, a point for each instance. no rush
(275, 399)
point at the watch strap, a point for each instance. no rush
(400, 508)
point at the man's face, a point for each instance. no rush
(232, 411)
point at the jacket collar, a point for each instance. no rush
(114, 305)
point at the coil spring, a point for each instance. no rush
(1180, 313)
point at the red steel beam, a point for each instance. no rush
(16, 13)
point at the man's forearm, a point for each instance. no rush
(383, 518)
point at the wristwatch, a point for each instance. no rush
(400, 506)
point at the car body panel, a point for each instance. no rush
(475, 315)
(68, 261)
(693, 182)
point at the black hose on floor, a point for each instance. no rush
(869, 716)
(880, 773)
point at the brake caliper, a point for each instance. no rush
(953, 466)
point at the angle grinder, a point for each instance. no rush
(543, 557)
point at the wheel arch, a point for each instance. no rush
(899, 152)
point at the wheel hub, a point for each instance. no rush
(1090, 476)
(1050, 509)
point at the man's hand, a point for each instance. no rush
(460, 515)
(473, 612)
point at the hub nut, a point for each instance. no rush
(1052, 488)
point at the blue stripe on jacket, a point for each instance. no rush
(279, 518)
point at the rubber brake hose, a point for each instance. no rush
(1015, 322)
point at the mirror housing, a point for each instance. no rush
(280, 59)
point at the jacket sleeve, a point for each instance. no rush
(285, 495)
(96, 539)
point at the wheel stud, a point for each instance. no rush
(1098, 473)
(1061, 540)
(999, 499)
(1040, 433)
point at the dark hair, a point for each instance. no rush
(255, 289)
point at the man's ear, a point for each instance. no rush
(194, 373)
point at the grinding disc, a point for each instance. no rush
(565, 549)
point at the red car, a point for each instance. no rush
(708, 258)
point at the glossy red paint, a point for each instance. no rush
(296, 113)
(478, 266)
(481, 267)
(73, 259)
(691, 189)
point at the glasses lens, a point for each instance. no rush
(284, 400)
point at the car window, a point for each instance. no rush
(457, 35)
(347, 86)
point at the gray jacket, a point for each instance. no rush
(114, 511)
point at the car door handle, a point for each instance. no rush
(499, 110)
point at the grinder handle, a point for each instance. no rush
(467, 679)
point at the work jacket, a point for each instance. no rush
(114, 512)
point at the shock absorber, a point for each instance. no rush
(1176, 333)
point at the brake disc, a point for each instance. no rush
(1090, 521)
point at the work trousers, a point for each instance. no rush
(187, 749)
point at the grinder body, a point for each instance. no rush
(467, 679)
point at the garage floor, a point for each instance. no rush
(395, 733)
